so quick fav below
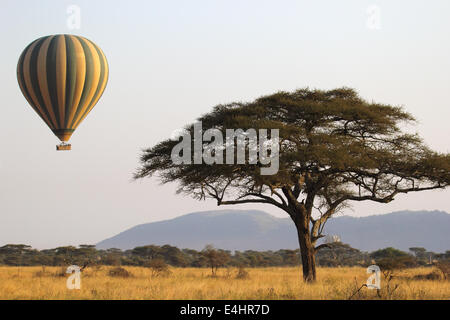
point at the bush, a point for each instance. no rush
(388, 253)
(42, 273)
(215, 258)
(444, 267)
(61, 272)
(159, 267)
(242, 273)
(119, 272)
(435, 275)
(397, 263)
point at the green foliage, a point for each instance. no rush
(323, 134)
(335, 255)
(340, 254)
(388, 253)
(396, 263)
(215, 258)
(390, 259)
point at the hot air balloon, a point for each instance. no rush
(62, 77)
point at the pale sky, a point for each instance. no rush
(170, 62)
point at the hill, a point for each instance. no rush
(258, 230)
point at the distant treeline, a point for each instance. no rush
(336, 254)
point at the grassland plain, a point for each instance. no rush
(197, 283)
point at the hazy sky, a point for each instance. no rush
(171, 61)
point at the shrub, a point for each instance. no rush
(444, 267)
(42, 273)
(242, 273)
(397, 263)
(119, 272)
(61, 272)
(435, 275)
(159, 267)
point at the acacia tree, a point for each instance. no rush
(335, 148)
(215, 258)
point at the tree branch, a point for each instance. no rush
(219, 202)
(324, 245)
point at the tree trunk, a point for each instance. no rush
(307, 251)
(308, 257)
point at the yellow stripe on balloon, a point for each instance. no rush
(80, 78)
(94, 84)
(102, 86)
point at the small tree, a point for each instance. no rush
(419, 253)
(159, 267)
(215, 258)
(444, 267)
(334, 148)
(390, 260)
(148, 252)
(388, 253)
(112, 257)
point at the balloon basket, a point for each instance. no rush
(63, 147)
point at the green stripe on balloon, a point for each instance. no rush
(51, 79)
(71, 78)
(34, 79)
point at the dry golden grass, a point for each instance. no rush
(195, 283)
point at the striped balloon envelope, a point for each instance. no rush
(62, 77)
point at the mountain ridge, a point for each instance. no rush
(258, 230)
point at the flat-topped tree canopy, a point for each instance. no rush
(334, 147)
